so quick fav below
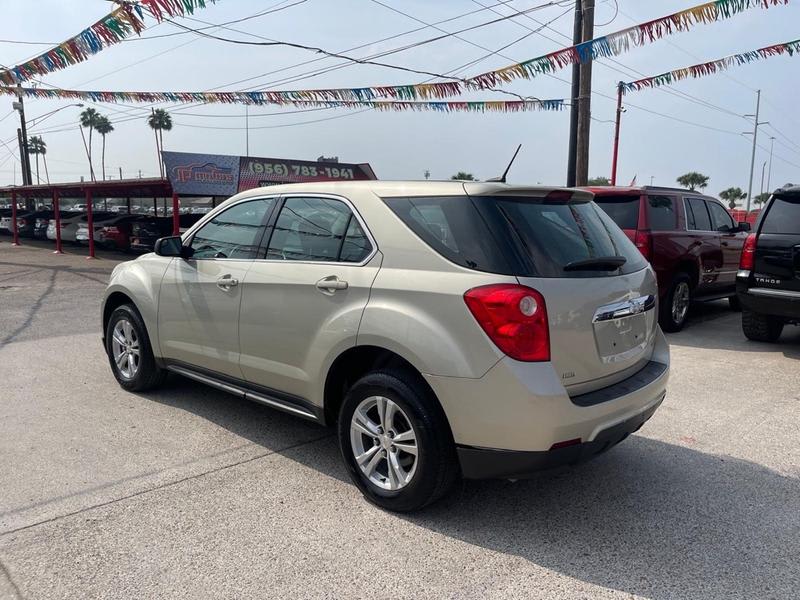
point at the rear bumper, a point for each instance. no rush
(521, 410)
(483, 463)
(769, 301)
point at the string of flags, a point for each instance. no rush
(266, 98)
(714, 66)
(125, 20)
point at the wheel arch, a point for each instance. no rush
(356, 362)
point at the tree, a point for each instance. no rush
(37, 146)
(88, 120)
(462, 176)
(159, 121)
(732, 195)
(103, 127)
(693, 180)
(598, 181)
(761, 198)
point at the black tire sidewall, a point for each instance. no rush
(434, 440)
(148, 370)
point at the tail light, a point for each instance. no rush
(21, 222)
(747, 260)
(515, 319)
(644, 242)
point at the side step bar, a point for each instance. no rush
(243, 392)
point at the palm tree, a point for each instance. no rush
(761, 198)
(159, 121)
(462, 176)
(103, 127)
(732, 196)
(693, 180)
(88, 120)
(37, 146)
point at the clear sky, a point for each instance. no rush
(404, 145)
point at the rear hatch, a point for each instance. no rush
(599, 293)
(777, 256)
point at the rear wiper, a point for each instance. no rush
(601, 263)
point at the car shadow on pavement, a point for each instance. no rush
(647, 518)
(715, 326)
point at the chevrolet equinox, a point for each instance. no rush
(446, 329)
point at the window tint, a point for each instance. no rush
(661, 213)
(624, 210)
(783, 216)
(556, 234)
(356, 246)
(233, 233)
(697, 215)
(317, 229)
(720, 219)
(532, 237)
(453, 227)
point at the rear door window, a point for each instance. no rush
(697, 218)
(624, 210)
(317, 229)
(720, 219)
(783, 216)
(661, 214)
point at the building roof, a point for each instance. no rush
(151, 187)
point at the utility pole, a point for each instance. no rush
(769, 173)
(19, 106)
(755, 141)
(615, 154)
(577, 38)
(585, 101)
(763, 168)
(246, 131)
(120, 173)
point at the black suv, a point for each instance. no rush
(768, 282)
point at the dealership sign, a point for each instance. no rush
(221, 175)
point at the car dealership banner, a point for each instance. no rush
(221, 175)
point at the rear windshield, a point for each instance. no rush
(661, 214)
(624, 210)
(530, 237)
(783, 216)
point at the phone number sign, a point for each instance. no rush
(258, 172)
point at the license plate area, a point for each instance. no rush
(621, 339)
(621, 329)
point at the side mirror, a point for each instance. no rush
(744, 226)
(171, 246)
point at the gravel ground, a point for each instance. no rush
(187, 492)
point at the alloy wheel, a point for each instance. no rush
(125, 348)
(680, 302)
(384, 443)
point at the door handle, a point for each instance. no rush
(226, 283)
(331, 284)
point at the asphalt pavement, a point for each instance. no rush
(190, 493)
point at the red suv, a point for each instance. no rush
(691, 240)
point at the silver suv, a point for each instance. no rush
(446, 329)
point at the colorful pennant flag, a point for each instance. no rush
(714, 66)
(618, 42)
(123, 21)
(267, 98)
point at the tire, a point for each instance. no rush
(672, 318)
(761, 328)
(734, 303)
(434, 468)
(146, 374)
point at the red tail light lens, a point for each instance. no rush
(747, 260)
(515, 319)
(644, 242)
(21, 222)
